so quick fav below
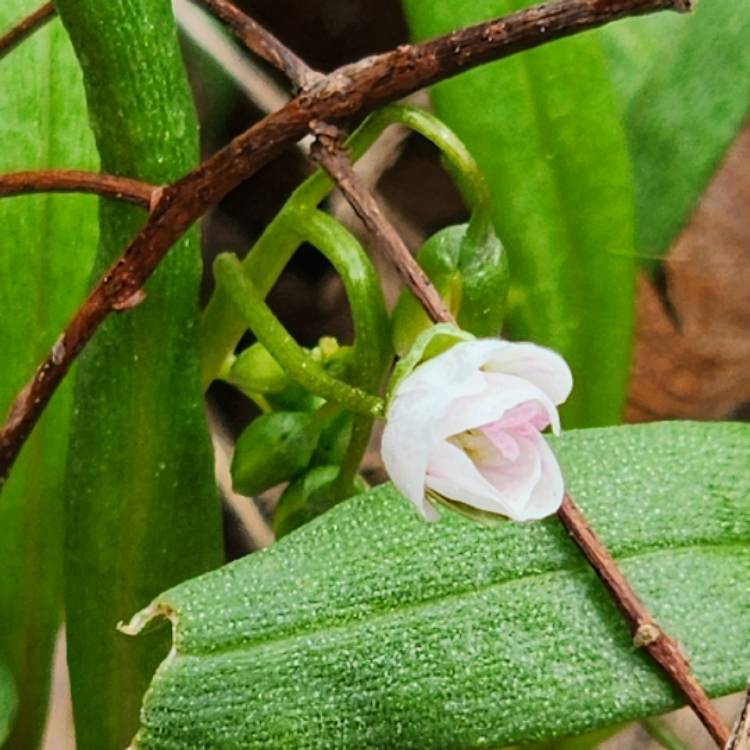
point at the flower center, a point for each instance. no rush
(497, 442)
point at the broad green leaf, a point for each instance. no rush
(47, 246)
(370, 628)
(684, 86)
(8, 702)
(142, 510)
(546, 130)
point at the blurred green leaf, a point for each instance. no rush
(684, 86)
(47, 246)
(370, 628)
(141, 507)
(546, 130)
(8, 700)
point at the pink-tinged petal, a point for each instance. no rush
(454, 476)
(501, 439)
(500, 394)
(541, 366)
(550, 489)
(515, 480)
(497, 487)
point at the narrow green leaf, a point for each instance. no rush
(545, 128)
(370, 628)
(47, 246)
(684, 86)
(142, 510)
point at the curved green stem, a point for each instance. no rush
(372, 348)
(272, 334)
(372, 345)
(222, 326)
(460, 163)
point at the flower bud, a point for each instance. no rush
(256, 372)
(274, 448)
(470, 275)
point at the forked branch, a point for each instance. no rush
(350, 91)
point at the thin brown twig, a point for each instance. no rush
(263, 42)
(352, 90)
(664, 650)
(355, 89)
(328, 151)
(25, 28)
(76, 181)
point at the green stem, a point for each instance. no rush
(272, 334)
(222, 326)
(372, 346)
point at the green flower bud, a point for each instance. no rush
(256, 372)
(471, 277)
(274, 448)
(308, 497)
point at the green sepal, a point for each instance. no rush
(482, 517)
(309, 496)
(272, 449)
(470, 275)
(255, 371)
(435, 340)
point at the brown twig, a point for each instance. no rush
(76, 181)
(25, 28)
(262, 42)
(351, 90)
(664, 650)
(328, 151)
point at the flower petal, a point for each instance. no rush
(500, 394)
(457, 365)
(549, 491)
(537, 364)
(454, 476)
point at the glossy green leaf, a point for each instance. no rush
(684, 86)
(142, 510)
(545, 128)
(47, 246)
(370, 628)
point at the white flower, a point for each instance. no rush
(466, 426)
